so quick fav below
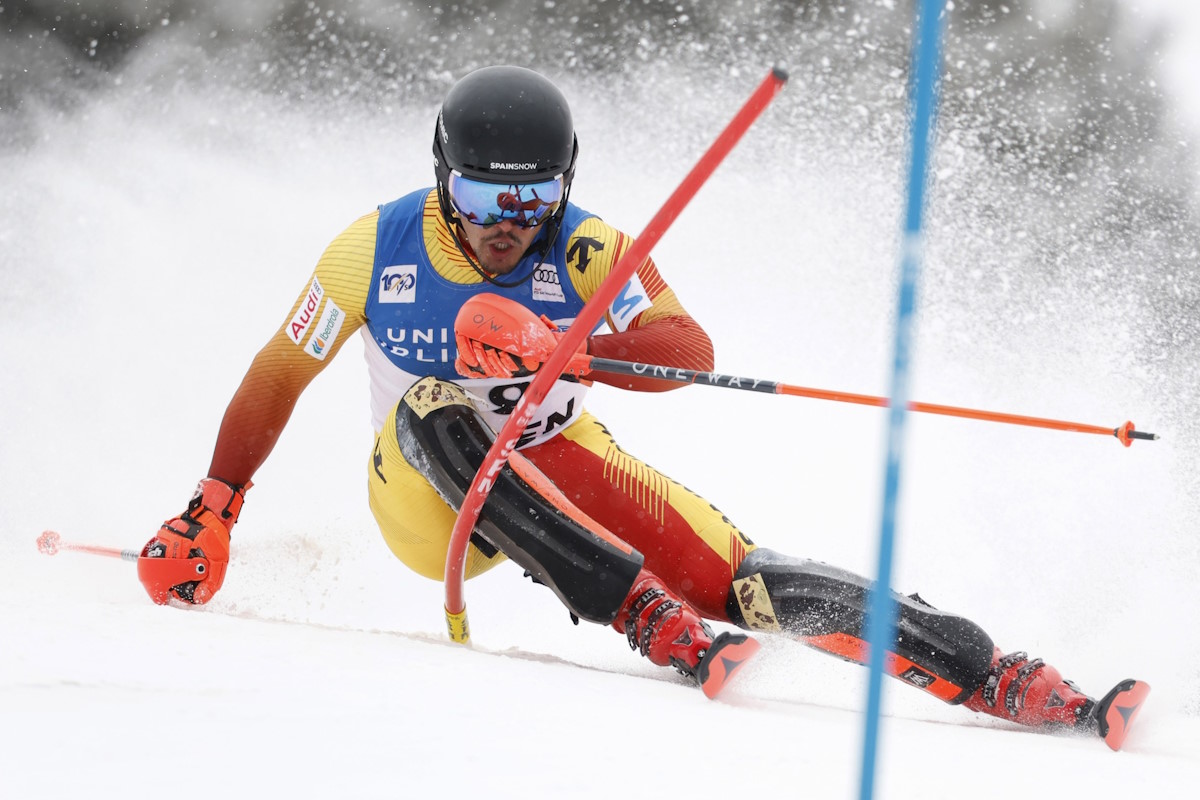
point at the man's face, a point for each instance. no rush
(498, 247)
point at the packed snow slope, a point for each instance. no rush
(167, 192)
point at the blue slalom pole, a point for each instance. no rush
(881, 609)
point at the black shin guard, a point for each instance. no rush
(443, 437)
(825, 607)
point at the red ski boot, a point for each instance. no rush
(1032, 693)
(670, 633)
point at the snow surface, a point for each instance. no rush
(153, 240)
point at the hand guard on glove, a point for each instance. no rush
(188, 557)
(500, 338)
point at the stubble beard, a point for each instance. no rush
(505, 262)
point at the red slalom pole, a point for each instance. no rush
(589, 316)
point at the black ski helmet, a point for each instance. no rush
(504, 125)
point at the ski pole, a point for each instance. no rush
(50, 542)
(1124, 433)
(585, 321)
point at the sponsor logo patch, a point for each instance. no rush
(325, 331)
(632, 301)
(580, 253)
(429, 394)
(917, 677)
(307, 311)
(546, 285)
(755, 601)
(398, 284)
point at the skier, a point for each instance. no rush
(456, 317)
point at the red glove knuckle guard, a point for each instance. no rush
(188, 557)
(500, 338)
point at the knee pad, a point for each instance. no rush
(444, 438)
(825, 606)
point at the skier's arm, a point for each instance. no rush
(328, 310)
(671, 340)
(188, 556)
(647, 321)
(259, 410)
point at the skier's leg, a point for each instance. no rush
(825, 607)
(687, 541)
(700, 554)
(438, 432)
(413, 518)
(943, 654)
(598, 576)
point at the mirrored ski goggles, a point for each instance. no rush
(526, 205)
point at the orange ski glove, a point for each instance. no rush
(500, 338)
(188, 557)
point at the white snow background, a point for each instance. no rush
(153, 240)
